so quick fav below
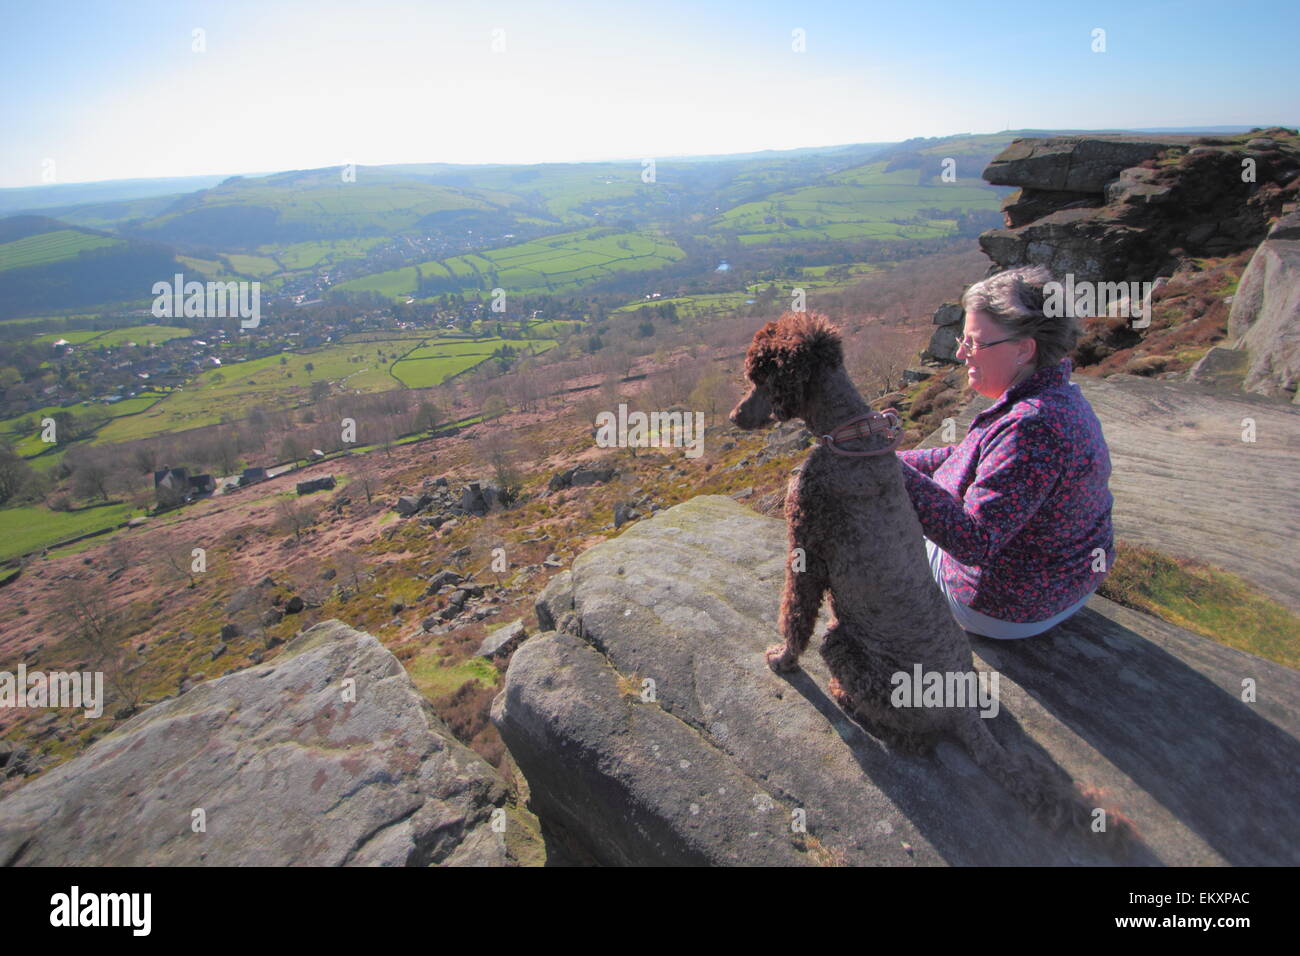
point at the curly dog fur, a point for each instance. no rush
(859, 537)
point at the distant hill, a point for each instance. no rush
(49, 265)
(63, 196)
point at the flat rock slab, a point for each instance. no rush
(651, 729)
(285, 769)
(1186, 483)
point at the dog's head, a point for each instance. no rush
(783, 361)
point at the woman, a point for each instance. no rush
(1017, 517)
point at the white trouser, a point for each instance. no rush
(982, 624)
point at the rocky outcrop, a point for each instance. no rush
(1128, 208)
(326, 756)
(437, 504)
(1265, 316)
(948, 320)
(651, 730)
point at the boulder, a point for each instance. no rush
(652, 732)
(408, 505)
(1222, 367)
(788, 437)
(592, 474)
(287, 769)
(949, 314)
(943, 344)
(442, 578)
(1265, 318)
(503, 640)
(624, 512)
(478, 498)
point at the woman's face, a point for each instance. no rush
(992, 369)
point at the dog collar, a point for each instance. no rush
(865, 426)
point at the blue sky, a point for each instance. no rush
(116, 90)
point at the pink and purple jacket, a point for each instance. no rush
(1021, 505)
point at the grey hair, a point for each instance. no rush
(1014, 300)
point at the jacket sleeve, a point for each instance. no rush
(926, 460)
(1017, 470)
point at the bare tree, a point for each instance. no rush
(501, 454)
(365, 479)
(94, 625)
(93, 472)
(295, 516)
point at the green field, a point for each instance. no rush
(560, 263)
(312, 255)
(29, 443)
(257, 267)
(861, 203)
(35, 526)
(433, 364)
(139, 334)
(50, 247)
(208, 268)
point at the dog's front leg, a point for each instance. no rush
(805, 582)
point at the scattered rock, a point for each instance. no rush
(504, 640)
(290, 777)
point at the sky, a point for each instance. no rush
(94, 90)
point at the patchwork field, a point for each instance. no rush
(555, 264)
(861, 203)
(47, 247)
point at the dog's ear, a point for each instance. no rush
(788, 354)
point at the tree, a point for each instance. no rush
(427, 417)
(295, 517)
(91, 621)
(291, 448)
(15, 475)
(320, 390)
(93, 473)
(502, 455)
(365, 479)
(494, 407)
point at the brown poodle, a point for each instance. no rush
(853, 532)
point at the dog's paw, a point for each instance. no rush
(780, 659)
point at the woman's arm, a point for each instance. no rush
(1017, 471)
(926, 460)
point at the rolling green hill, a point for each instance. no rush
(242, 214)
(48, 265)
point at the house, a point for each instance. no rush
(252, 476)
(171, 478)
(202, 484)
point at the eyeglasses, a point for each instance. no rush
(972, 347)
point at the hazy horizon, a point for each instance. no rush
(136, 93)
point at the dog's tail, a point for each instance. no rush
(1058, 804)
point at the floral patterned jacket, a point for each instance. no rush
(1021, 508)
